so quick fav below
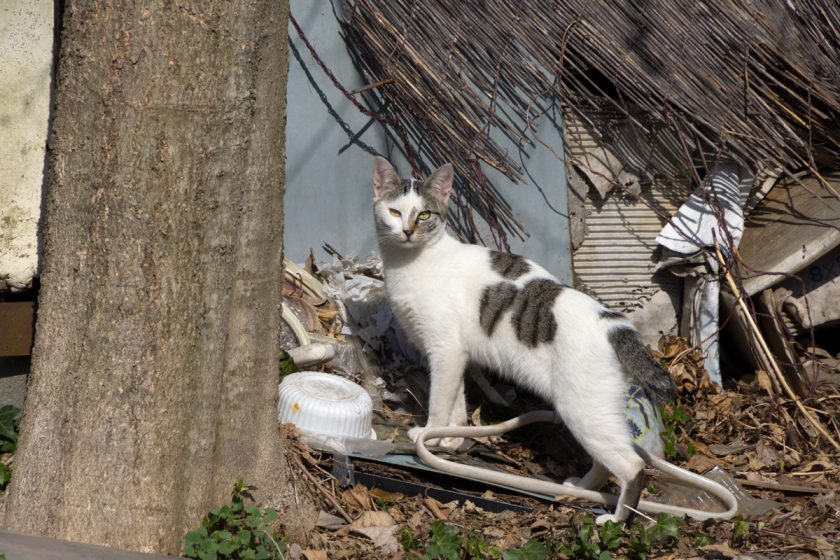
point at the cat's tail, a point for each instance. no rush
(658, 384)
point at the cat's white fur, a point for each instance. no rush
(434, 286)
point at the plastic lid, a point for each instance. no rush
(325, 404)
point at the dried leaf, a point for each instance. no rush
(816, 466)
(311, 554)
(329, 521)
(700, 463)
(723, 549)
(383, 537)
(737, 446)
(470, 507)
(373, 519)
(387, 496)
(357, 498)
(764, 382)
(765, 453)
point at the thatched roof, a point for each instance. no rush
(758, 79)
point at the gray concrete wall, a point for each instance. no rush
(330, 146)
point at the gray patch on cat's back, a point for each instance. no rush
(510, 266)
(495, 300)
(610, 314)
(533, 316)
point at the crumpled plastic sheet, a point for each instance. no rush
(368, 447)
(356, 286)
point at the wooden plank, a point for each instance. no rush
(795, 224)
(17, 324)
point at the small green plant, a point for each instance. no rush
(611, 540)
(240, 530)
(407, 539)
(9, 423)
(286, 365)
(446, 542)
(531, 550)
(701, 540)
(643, 539)
(740, 531)
(588, 541)
(674, 419)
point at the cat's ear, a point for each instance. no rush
(440, 182)
(385, 177)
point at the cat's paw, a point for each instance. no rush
(575, 482)
(414, 433)
(451, 443)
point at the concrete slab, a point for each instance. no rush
(13, 372)
(27, 547)
(26, 43)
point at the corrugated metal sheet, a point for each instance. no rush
(616, 259)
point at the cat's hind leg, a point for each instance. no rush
(594, 478)
(592, 406)
(610, 446)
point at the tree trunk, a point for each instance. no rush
(154, 375)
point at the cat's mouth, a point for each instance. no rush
(408, 241)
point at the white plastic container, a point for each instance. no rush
(323, 404)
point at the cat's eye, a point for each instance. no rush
(394, 213)
(424, 215)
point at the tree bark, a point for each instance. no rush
(154, 374)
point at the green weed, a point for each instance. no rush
(446, 542)
(675, 420)
(239, 530)
(9, 424)
(611, 541)
(286, 364)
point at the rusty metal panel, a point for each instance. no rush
(617, 256)
(17, 320)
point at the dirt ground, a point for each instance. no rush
(788, 471)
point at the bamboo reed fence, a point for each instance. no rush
(757, 79)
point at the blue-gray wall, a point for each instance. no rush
(330, 146)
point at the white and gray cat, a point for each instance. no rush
(463, 303)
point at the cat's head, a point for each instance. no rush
(410, 213)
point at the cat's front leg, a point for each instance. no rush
(446, 395)
(458, 417)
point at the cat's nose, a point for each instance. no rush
(408, 233)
